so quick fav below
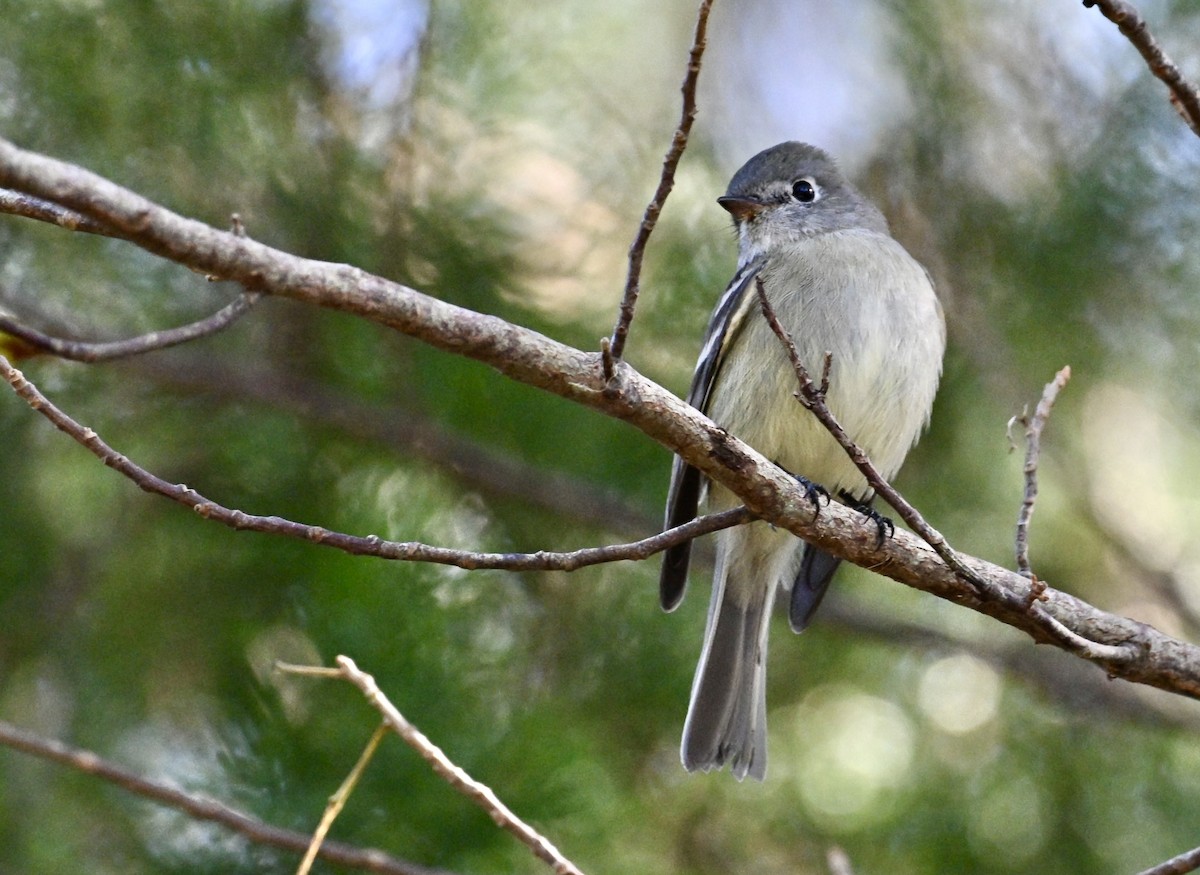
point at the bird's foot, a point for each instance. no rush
(814, 492)
(884, 525)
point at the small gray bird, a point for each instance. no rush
(840, 284)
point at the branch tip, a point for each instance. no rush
(1033, 448)
(92, 352)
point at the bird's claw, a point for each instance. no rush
(885, 526)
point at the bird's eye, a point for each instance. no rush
(804, 191)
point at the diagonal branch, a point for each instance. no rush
(479, 793)
(205, 809)
(339, 799)
(614, 349)
(370, 545)
(536, 360)
(1185, 97)
(1189, 861)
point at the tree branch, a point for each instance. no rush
(205, 809)
(615, 348)
(1139, 652)
(370, 545)
(1070, 685)
(84, 351)
(20, 204)
(386, 427)
(442, 765)
(1184, 863)
(339, 799)
(1184, 95)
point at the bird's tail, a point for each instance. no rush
(727, 716)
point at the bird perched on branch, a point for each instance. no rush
(839, 285)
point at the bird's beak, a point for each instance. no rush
(741, 208)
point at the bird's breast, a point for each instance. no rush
(863, 299)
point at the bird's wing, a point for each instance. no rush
(683, 497)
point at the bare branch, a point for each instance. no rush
(1185, 862)
(17, 203)
(1184, 95)
(205, 809)
(1033, 443)
(338, 800)
(1070, 684)
(1138, 652)
(371, 545)
(83, 351)
(614, 349)
(455, 776)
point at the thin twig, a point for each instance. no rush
(455, 776)
(1033, 447)
(1185, 97)
(615, 348)
(370, 545)
(338, 800)
(84, 351)
(1189, 861)
(811, 396)
(18, 203)
(205, 809)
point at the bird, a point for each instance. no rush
(840, 285)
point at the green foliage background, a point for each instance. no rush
(506, 173)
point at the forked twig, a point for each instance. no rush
(443, 766)
(17, 203)
(812, 397)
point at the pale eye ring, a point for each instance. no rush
(804, 190)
